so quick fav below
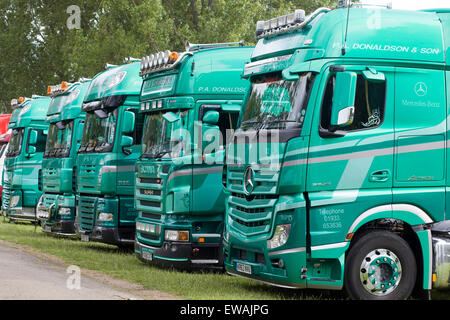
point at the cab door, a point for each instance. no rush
(420, 140)
(350, 168)
(209, 156)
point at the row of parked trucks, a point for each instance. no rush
(316, 159)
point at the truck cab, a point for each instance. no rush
(56, 207)
(110, 146)
(21, 183)
(191, 101)
(337, 176)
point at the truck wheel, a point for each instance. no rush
(380, 266)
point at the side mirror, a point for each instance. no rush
(129, 119)
(343, 108)
(31, 150)
(211, 117)
(32, 139)
(126, 141)
(174, 120)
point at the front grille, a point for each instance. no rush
(251, 215)
(151, 203)
(6, 197)
(74, 179)
(252, 224)
(250, 210)
(149, 195)
(86, 211)
(153, 237)
(152, 216)
(254, 197)
(150, 192)
(151, 180)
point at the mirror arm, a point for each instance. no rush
(127, 151)
(324, 133)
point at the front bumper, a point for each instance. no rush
(60, 227)
(52, 221)
(182, 255)
(284, 268)
(22, 214)
(123, 236)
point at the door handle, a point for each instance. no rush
(379, 176)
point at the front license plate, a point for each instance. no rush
(147, 255)
(244, 268)
(85, 237)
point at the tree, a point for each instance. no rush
(38, 49)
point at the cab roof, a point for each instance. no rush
(67, 105)
(115, 81)
(32, 110)
(373, 33)
(206, 71)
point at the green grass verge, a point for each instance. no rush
(126, 266)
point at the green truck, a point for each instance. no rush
(22, 184)
(338, 176)
(110, 146)
(190, 100)
(56, 207)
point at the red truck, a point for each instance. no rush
(5, 135)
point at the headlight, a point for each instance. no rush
(280, 236)
(64, 211)
(176, 235)
(14, 201)
(102, 216)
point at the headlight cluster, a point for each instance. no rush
(14, 201)
(42, 214)
(64, 211)
(280, 236)
(103, 216)
(176, 235)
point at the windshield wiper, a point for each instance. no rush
(161, 154)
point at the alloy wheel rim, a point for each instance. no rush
(380, 272)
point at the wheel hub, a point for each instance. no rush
(380, 272)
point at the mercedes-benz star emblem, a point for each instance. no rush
(249, 183)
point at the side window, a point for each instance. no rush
(227, 120)
(41, 140)
(370, 103)
(138, 127)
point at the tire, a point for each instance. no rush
(380, 266)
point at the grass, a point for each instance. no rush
(126, 266)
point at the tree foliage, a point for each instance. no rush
(37, 48)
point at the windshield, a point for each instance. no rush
(59, 140)
(99, 131)
(162, 138)
(15, 145)
(275, 103)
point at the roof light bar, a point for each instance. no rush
(197, 47)
(160, 61)
(59, 88)
(288, 22)
(17, 102)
